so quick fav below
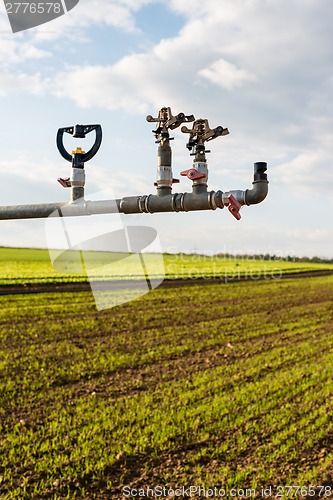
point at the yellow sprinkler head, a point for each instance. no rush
(78, 151)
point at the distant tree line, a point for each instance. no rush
(266, 256)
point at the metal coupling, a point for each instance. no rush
(78, 177)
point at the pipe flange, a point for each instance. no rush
(218, 200)
(141, 203)
(174, 202)
(146, 205)
(211, 200)
(182, 203)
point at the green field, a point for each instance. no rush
(29, 266)
(226, 385)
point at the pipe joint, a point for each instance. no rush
(237, 194)
(257, 194)
(260, 185)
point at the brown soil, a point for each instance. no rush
(82, 287)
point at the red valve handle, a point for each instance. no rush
(192, 174)
(64, 181)
(234, 207)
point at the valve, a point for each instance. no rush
(192, 174)
(201, 133)
(165, 120)
(65, 182)
(79, 157)
(234, 207)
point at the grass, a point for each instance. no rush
(19, 266)
(211, 385)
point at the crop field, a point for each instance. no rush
(19, 266)
(213, 385)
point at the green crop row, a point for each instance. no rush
(225, 385)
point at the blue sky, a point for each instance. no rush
(262, 68)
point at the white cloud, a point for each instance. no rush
(88, 13)
(24, 168)
(227, 43)
(14, 52)
(107, 87)
(309, 173)
(29, 51)
(21, 83)
(226, 74)
(118, 14)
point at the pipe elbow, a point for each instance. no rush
(260, 185)
(257, 194)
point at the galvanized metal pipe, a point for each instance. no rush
(30, 211)
(199, 199)
(61, 209)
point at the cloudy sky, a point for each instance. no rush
(262, 68)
